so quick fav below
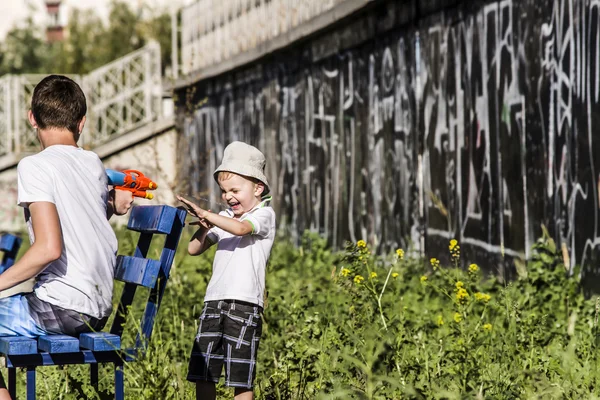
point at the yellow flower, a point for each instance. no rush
(435, 263)
(373, 275)
(453, 243)
(457, 317)
(358, 279)
(423, 279)
(361, 244)
(454, 249)
(440, 320)
(487, 327)
(462, 296)
(459, 285)
(473, 268)
(483, 297)
(400, 254)
(345, 271)
(394, 275)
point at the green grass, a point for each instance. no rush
(411, 335)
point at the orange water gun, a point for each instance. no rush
(133, 181)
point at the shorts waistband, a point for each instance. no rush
(240, 302)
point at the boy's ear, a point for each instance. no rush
(259, 189)
(81, 125)
(31, 118)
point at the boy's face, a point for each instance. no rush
(241, 194)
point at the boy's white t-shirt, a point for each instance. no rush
(75, 181)
(240, 261)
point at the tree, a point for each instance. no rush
(89, 43)
(81, 51)
(23, 51)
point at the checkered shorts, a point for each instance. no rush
(229, 334)
(26, 315)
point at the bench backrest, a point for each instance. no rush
(139, 270)
(9, 245)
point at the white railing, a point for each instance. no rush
(215, 30)
(121, 96)
(16, 135)
(124, 94)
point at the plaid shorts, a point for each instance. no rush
(229, 334)
(26, 315)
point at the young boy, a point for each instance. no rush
(63, 190)
(231, 323)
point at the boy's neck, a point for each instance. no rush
(56, 136)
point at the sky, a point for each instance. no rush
(13, 12)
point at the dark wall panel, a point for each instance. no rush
(417, 122)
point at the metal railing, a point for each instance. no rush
(215, 30)
(124, 94)
(16, 135)
(121, 96)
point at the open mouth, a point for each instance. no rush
(235, 205)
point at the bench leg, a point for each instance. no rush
(30, 383)
(12, 383)
(119, 390)
(94, 376)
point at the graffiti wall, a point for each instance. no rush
(476, 122)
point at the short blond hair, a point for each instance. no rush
(225, 175)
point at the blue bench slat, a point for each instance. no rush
(8, 241)
(152, 219)
(58, 344)
(99, 341)
(17, 345)
(141, 271)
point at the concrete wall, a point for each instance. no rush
(11, 216)
(421, 121)
(154, 157)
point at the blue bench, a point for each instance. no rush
(9, 246)
(105, 347)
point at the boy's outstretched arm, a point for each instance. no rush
(46, 248)
(233, 226)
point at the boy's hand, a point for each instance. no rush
(196, 211)
(203, 223)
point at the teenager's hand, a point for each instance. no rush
(119, 202)
(123, 201)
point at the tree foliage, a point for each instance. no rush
(89, 42)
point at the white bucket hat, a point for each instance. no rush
(246, 160)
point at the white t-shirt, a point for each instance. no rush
(240, 261)
(75, 181)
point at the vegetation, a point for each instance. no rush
(353, 325)
(89, 44)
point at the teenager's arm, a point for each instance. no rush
(46, 248)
